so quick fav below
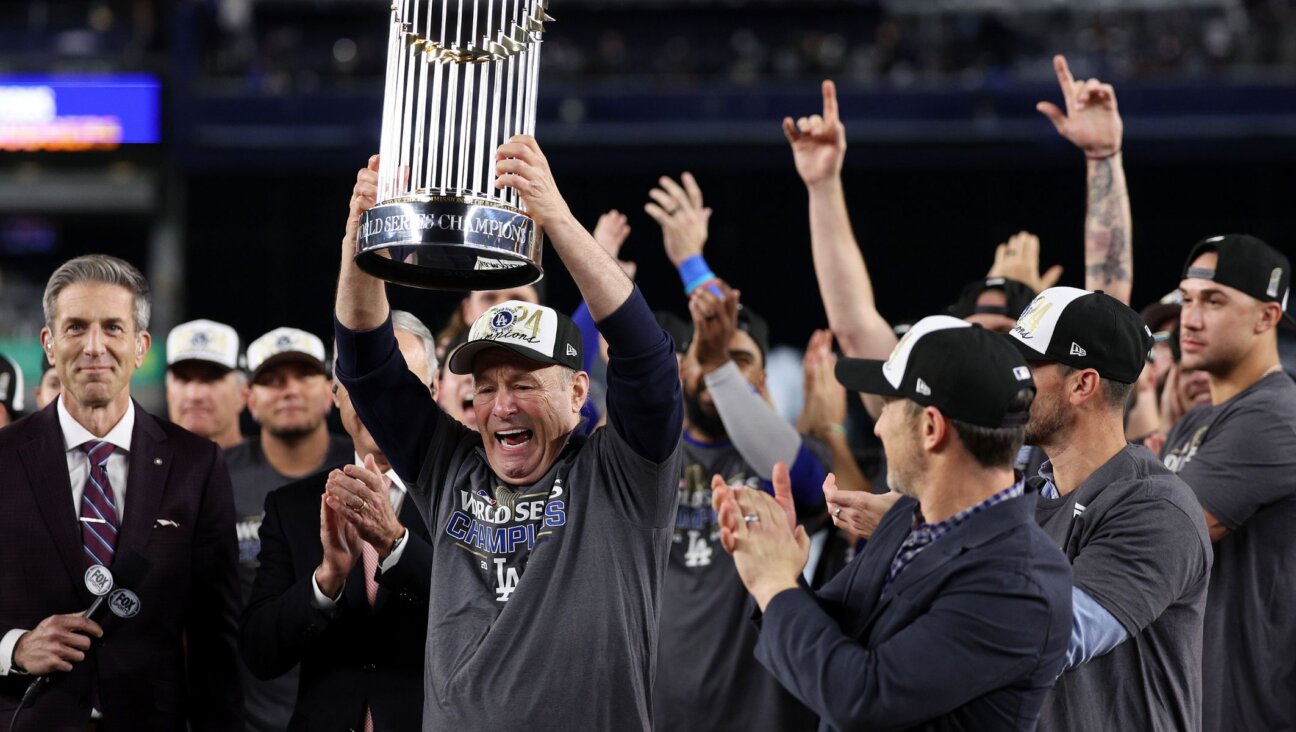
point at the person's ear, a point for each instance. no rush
(579, 390)
(1085, 386)
(142, 343)
(1271, 314)
(933, 428)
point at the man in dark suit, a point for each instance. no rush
(348, 601)
(957, 612)
(93, 477)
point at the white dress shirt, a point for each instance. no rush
(396, 493)
(78, 464)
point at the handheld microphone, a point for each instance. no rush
(112, 593)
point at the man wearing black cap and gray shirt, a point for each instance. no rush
(1239, 456)
(11, 390)
(290, 398)
(549, 549)
(1132, 530)
(956, 613)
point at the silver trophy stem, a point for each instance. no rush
(506, 125)
(435, 124)
(421, 74)
(389, 108)
(493, 140)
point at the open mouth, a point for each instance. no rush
(513, 439)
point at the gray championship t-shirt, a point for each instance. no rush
(707, 674)
(269, 704)
(1138, 545)
(1239, 457)
(550, 591)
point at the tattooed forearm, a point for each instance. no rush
(1109, 262)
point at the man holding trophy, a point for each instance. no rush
(548, 548)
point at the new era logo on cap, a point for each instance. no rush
(1059, 319)
(922, 388)
(203, 340)
(533, 331)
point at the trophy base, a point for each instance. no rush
(449, 243)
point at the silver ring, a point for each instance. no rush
(751, 517)
(837, 513)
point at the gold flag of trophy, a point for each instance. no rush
(461, 80)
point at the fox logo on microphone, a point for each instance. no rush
(123, 603)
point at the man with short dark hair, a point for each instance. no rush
(955, 614)
(205, 388)
(1239, 456)
(549, 547)
(289, 398)
(729, 429)
(93, 478)
(1132, 530)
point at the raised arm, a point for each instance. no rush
(819, 149)
(519, 164)
(392, 402)
(361, 298)
(1092, 123)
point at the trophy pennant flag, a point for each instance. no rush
(461, 80)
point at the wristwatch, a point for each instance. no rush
(397, 542)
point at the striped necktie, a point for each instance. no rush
(98, 511)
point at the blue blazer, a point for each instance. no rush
(970, 636)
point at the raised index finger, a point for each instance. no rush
(829, 100)
(1065, 80)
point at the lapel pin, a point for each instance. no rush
(157, 461)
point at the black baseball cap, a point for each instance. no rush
(1084, 330)
(1246, 264)
(12, 388)
(967, 372)
(535, 332)
(1018, 295)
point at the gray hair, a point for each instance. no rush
(101, 268)
(408, 322)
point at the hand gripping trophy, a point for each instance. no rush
(461, 80)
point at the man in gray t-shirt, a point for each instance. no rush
(1239, 456)
(1132, 530)
(549, 549)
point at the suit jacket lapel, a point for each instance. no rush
(975, 531)
(47, 476)
(150, 462)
